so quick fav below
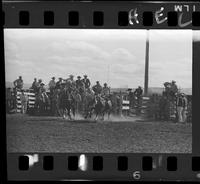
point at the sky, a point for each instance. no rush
(108, 55)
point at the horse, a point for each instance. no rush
(107, 107)
(67, 104)
(89, 104)
(55, 103)
(99, 106)
(42, 103)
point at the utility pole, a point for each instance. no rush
(146, 76)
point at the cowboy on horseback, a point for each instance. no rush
(97, 88)
(67, 102)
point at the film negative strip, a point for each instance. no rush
(101, 90)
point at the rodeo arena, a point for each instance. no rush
(67, 97)
(69, 115)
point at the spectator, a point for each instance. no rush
(18, 84)
(181, 107)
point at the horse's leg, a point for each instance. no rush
(109, 114)
(73, 108)
(103, 113)
(68, 113)
(86, 115)
(63, 113)
(97, 114)
(91, 110)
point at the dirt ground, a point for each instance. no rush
(52, 134)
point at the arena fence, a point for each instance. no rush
(31, 99)
(126, 109)
(125, 106)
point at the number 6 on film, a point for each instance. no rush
(136, 175)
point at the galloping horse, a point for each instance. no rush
(103, 105)
(67, 104)
(99, 106)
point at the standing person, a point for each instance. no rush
(181, 107)
(18, 84)
(97, 88)
(52, 85)
(86, 81)
(105, 90)
(185, 105)
(24, 102)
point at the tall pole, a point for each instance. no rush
(146, 76)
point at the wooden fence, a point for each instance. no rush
(125, 105)
(31, 99)
(145, 106)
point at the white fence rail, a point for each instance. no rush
(31, 100)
